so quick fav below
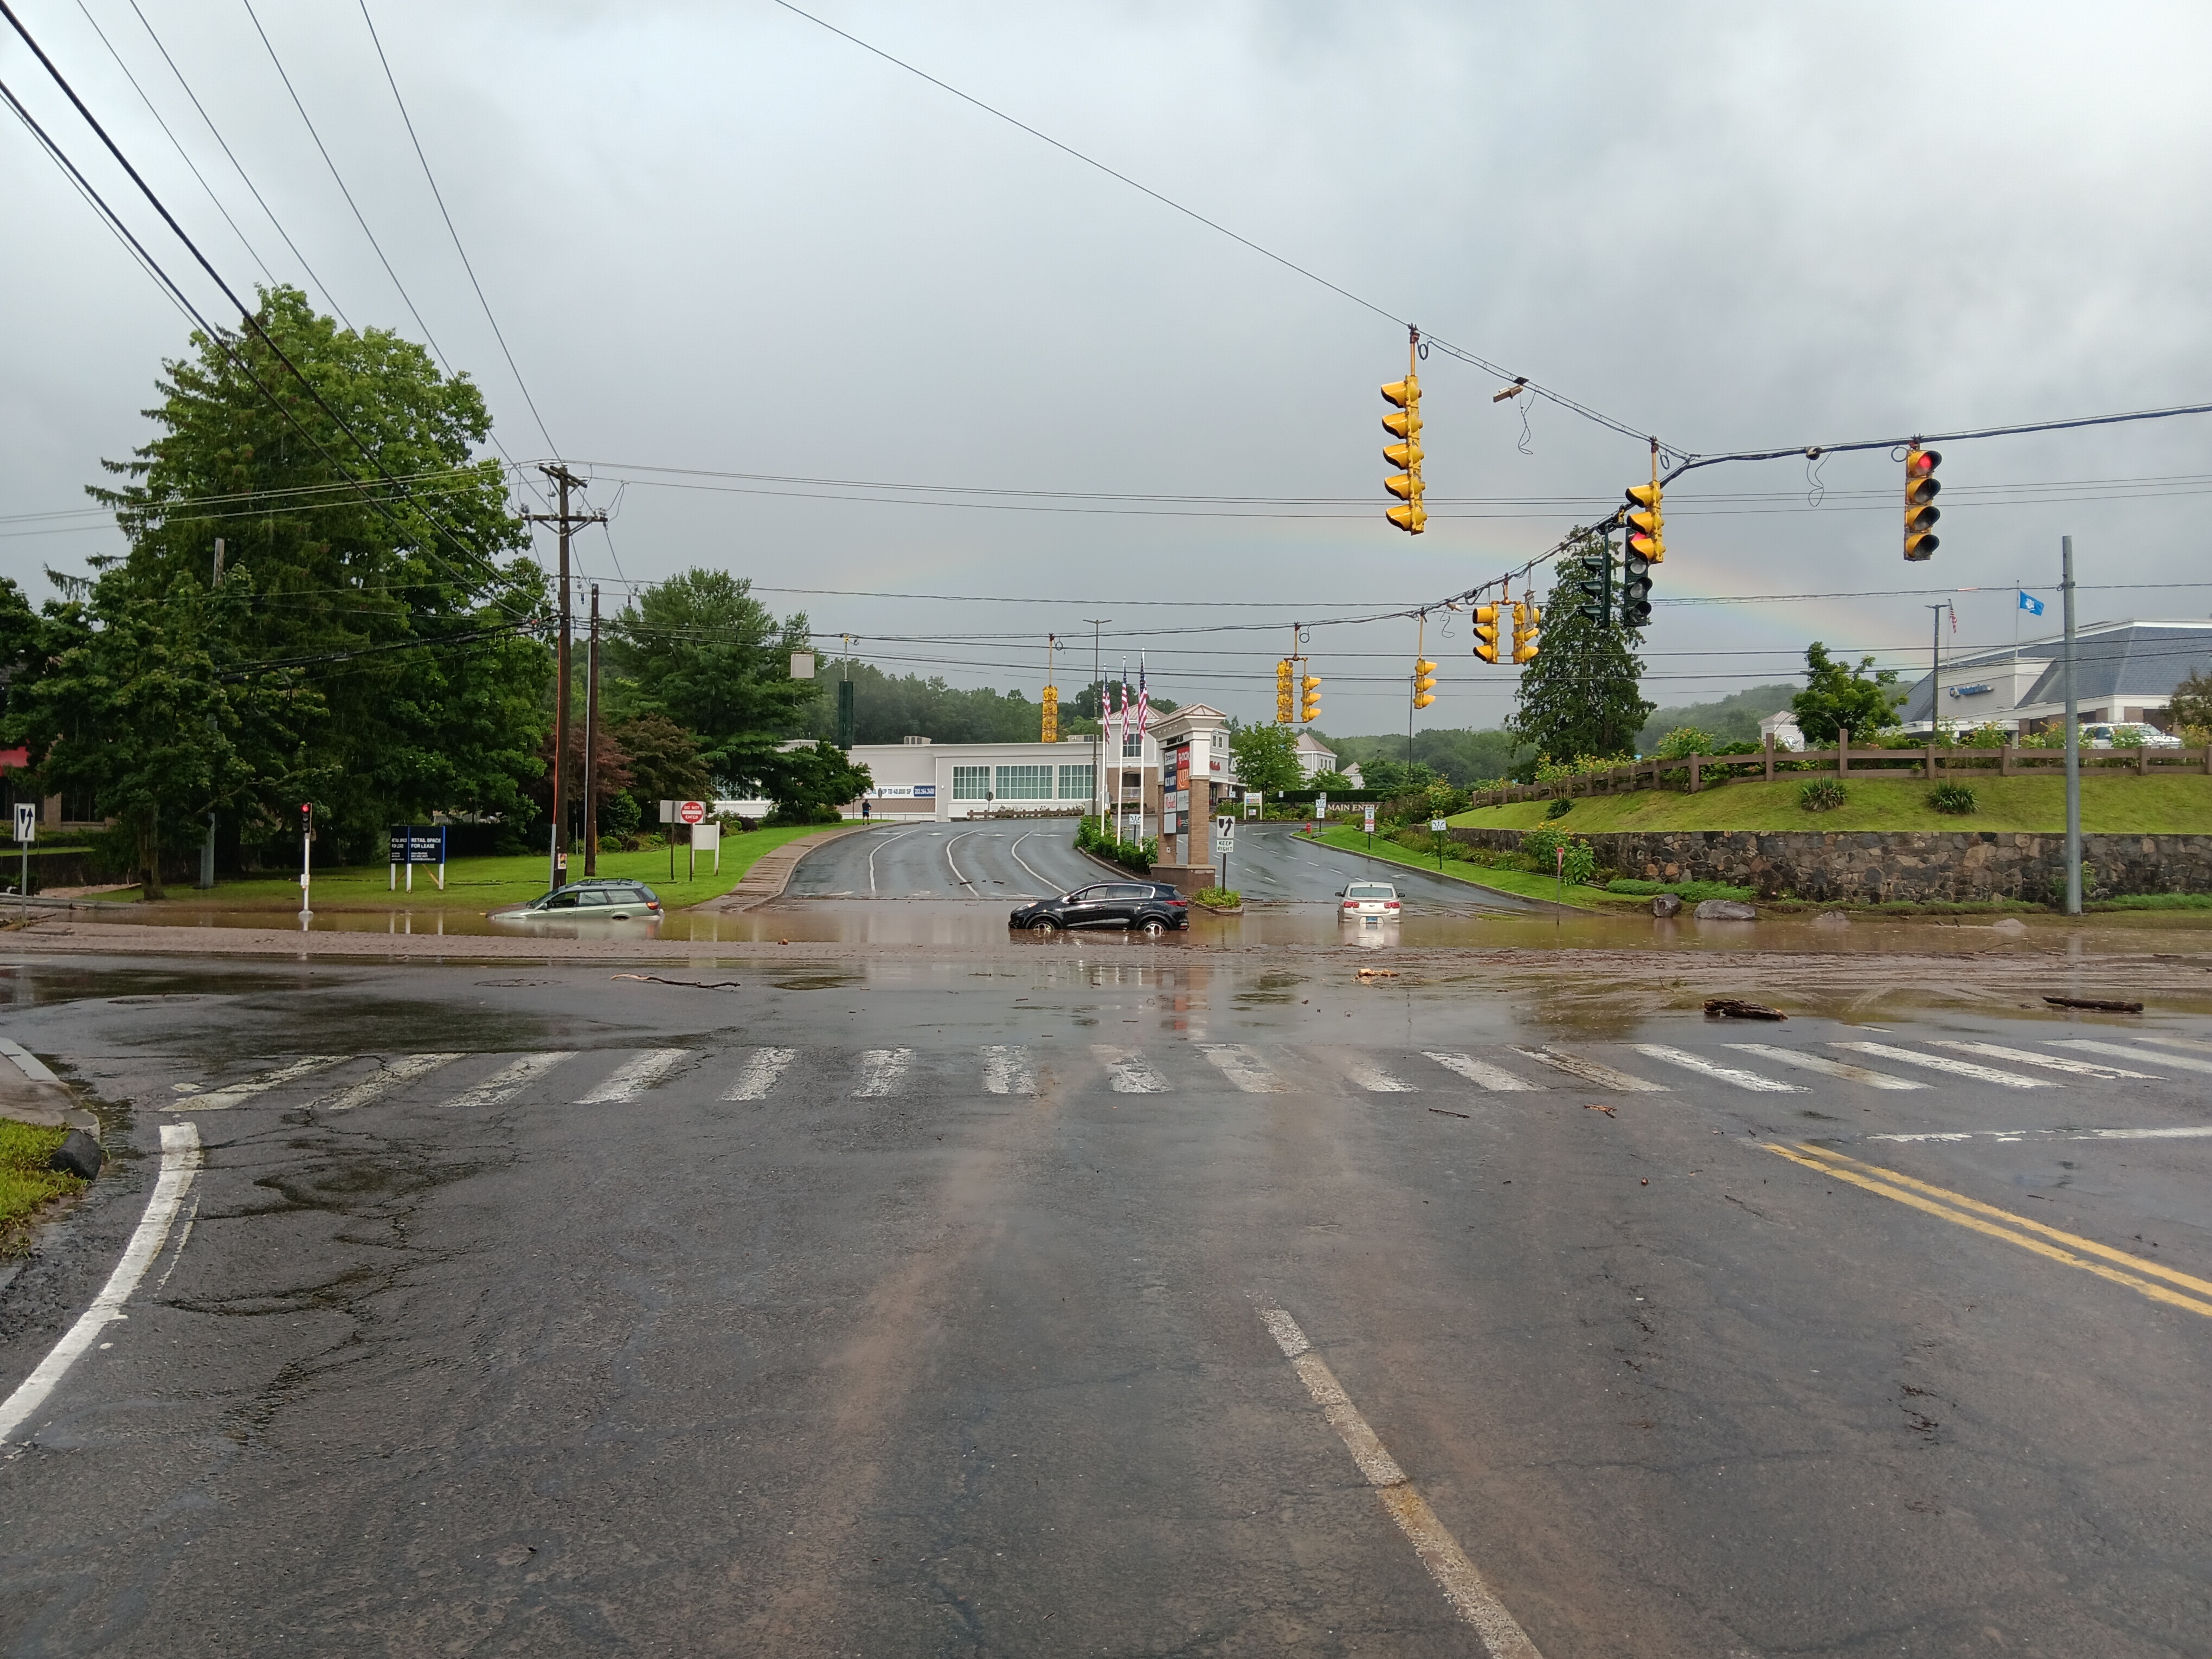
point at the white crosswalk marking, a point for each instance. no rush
(760, 1074)
(1741, 1079)
(1826, 1067)
(1589, 1070)
(2177, 1043)
(1480, 1073)
(1129, 1072)
(506, 1082)
(1006, 1070)
(1956, 1067)
(2048, 1062)
(2182, 1061)
(882, 1070)
(634, 1077)
(1370, 1076)
(216, 1100)
(405, 1069)
(1244, 1068)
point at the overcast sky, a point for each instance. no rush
(721, 238)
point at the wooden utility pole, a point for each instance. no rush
(592, 742)
(568, 521)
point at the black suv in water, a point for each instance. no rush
(1149, 907)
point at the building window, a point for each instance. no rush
(1075, 783)
(1025, 783)
(970, 782)
(1133, 747)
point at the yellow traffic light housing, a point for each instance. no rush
(1646, 527)
(1920, 490)
(1526, 621)
(1285, 692)
(1424, 682)
(1405, 425)
(1310, 709)
(1051, 714)
(1486, 632)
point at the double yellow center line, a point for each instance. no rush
(2150, 1279)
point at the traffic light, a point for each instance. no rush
(1635, 590)
(1311, 709)
(1596, 583)
(1646, 528)
(1486, 632)
(1405, 425)
(1051, 714)
(1920, 491)
(1526, 619)
(1424, 682)
(1286, 693)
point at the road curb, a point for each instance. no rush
(771, 873)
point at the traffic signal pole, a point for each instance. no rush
(591, 737)
(2073, 739)
(568, 522)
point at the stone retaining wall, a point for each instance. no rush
(1905, 864)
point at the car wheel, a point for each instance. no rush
(1151, 927)
(1044, 925)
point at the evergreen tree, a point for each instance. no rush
(1581, 694)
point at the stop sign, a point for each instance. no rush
(692, 811)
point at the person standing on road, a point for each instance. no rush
(864, 809)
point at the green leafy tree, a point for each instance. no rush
(1731, 719)
(1397, 777)
(700, 649)
(391, 619)
(887, 707)
(1267, 757)
(134, 708)
(663, 764)
(1330, 781)
(1840, 697)
(2192, 705)
(1580, 696)
(809, 785)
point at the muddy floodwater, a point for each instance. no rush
(955, 922)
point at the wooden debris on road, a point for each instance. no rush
(1731, 1008)
(1592, 1106)
(2095, 1005)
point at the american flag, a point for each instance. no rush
(1143, 699)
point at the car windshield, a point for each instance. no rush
(1370, 889)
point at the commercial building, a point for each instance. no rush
(939, 782)
(2123, 671)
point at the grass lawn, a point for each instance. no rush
(1523, 882)
(25, 1181)
(487, 884)
(2117, 805)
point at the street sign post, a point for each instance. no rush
(1369, 816)
(1225, 840)
(673, 812)
(412, 844)
(707, 837)
(26, 831)
(1437, 835)
(1252, 803)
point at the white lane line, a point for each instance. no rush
(405, 1069)
(27, 1062)
(1742, 1079)
(180, 1161)
(506, 1082)
(634, 1077)
(1017, 851)
(882, 1070)
(2176, 1043)
(1370, 1076)
(1826, 1067)
(1956, 1067)
(1129, 1072)
(760, 1074)
(2183, 1061)
(1463, 1586)
(1006, 1070)
(2190, 1132)
(1244, 1068)
(878, 847)
(949, 844)
(1591, 1071)
(1480, 1072)
(216, 1100)
(2048, 1062)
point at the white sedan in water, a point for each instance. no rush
(1363, 899)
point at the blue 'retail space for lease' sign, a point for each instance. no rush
(413, 844)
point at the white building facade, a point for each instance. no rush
(940, 783)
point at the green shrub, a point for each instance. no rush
(2126, 737)
(1219, 898)
(1822, 795)
(1560, 808)
(1690, 892)
(1956, 799)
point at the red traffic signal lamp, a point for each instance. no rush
(1285, 692)
(1921, 487)
(1646, 527)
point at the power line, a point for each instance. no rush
(1445, 346)
(497, 333)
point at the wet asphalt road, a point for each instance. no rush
(1023, 859)
(920, 1310)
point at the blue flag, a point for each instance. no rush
(2030, 603)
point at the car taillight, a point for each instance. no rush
(1178, 904)
(652, 904)
(1390, 904)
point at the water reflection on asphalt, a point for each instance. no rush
(958, 922)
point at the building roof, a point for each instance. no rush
(2141, 661)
